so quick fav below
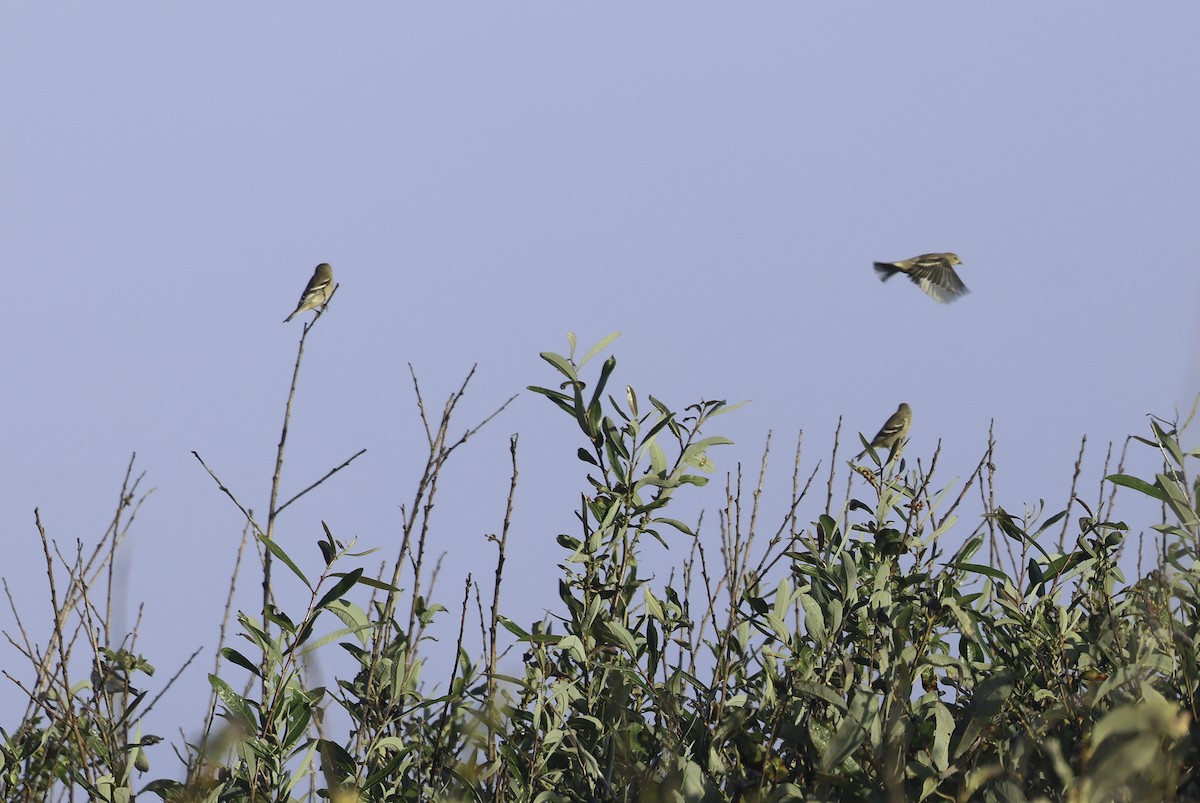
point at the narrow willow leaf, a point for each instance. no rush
(278, 552)
(235, 704)
(233, 656)
(605, 372)
(347, 582)
(1153, 491)
(987, 702)
(622, 635)
(678, 525)
(599, 347)
(563, 365)
(979, 568)
(849, 734)
(814, 620)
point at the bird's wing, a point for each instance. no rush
(938, 281)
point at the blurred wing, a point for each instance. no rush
(937, 280)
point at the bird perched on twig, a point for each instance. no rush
(933, 273)
(320, 287)
(894, 431)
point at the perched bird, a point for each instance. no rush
(320, 286)
(893, 433)
(933, 273)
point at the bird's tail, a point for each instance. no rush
(885, 270)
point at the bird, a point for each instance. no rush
(320, 287)
(933, 273)
(894, 430)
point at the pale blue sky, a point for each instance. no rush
(712, 179)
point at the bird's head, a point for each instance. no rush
(952, 259)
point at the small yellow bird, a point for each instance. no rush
(894, 431)
(320, 287)
(933, 273)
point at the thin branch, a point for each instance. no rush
(328, 474)
(225, 490)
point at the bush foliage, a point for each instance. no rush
(844, 655)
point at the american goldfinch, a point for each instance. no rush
(894, 431)
(933, 273)
(320, 286)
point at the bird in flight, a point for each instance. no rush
(933, 273)
(894, 430)
(320, 287)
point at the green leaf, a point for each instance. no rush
(605, 372)
(814, 620)
(379, 584)
(1168, 442)
(827, 531)
(235, 704)
(563, 365)
(979, 568)
(558, 397)
(664, 420)
(278, 552)
(573, 646)
(850, 733)
(348, 581)
(328, 549)
(1035, 573)
(354, 617)
(966, 627)
(658, 459)
(678, 525)
(599, 347)
(1153, 491)
(652, 651)
(943, 729)
(1050, 522)
(727, 408)
(235, 657)
(400, 753)
(821, 692)
(987, 702)
(334, 636)
(653, 607)
(705, 443)
(778, 627)
(623, 636)
(1155, 717)
(513, 627)
(969, 548)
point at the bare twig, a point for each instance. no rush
(837, 434)
(327, 475)
(225, 490)
(1071, 497)
(501, 545)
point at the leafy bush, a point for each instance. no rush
(850, 658)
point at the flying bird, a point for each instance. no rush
(320, 287)
(933, 273)
(894, 430)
